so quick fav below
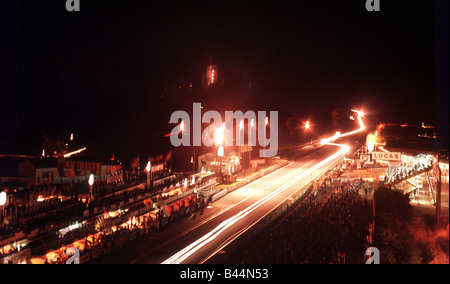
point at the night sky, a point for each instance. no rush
(114, 72)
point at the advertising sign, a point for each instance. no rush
(391, 156)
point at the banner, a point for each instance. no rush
(157, 168)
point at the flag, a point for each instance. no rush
(158, 158)
(134, 164)
(168, 157)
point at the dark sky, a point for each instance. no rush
(112, 72)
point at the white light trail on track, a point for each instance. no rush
(362, 127)
(185, 253)
(191, 249)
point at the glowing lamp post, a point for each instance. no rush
(308, 128)
(2, 198)
(2, 203)
(149, 172)
(91, 185)
(307, 125)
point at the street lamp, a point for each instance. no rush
(91, 184)
(308, 128)
(2, 203)
(149, 170)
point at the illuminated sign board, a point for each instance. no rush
(365, 158)
(391, 156)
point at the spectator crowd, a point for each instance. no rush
(404, 170)
(330, 227)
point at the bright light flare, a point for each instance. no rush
(371, 140)
(307, 125)
(220, 151)
(182, 126)
(219, 135)
(360, 113)
(2, 198)
(91, 180)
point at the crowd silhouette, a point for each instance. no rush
(404, 170)
(329, 227)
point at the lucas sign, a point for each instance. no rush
(391, 156)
